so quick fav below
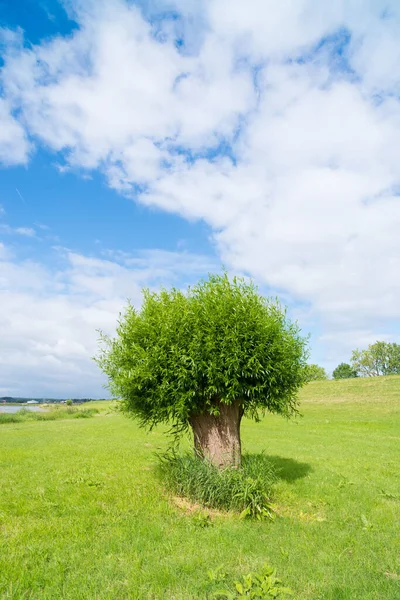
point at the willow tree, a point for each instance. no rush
(204, 359)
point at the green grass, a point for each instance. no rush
(84, 516)
(247, 490)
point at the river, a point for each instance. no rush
(4, 408)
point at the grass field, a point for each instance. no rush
(83, 515)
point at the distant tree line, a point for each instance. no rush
(381, 358)
(14, 400)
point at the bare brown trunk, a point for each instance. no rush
(217, 437)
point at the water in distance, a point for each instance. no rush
(13, 409)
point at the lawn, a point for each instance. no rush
(83, 515)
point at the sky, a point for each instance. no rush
(148, 143)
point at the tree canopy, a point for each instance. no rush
(344, 371)
(315, 373)
(187, 357)
(381, 358)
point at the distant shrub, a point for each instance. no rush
(85, 413)
(69, 402)
(247, 489)
(45, 417)
(69, 413)
(315, 373)
(7, 418)
(344, 371)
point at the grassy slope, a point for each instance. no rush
(82, 515)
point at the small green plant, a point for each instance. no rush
(247, 489)
(389, 495)
(367, 525)
(344, 482)
(217, 574)
(69, 402)
(257, 586)
(252, 496)
(284, 552)
(202, 519)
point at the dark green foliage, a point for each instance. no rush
(381, 358)
(247, 490)
(85, 413)
(181, 353)
(315, 373)
(9, 418)
(344, 371)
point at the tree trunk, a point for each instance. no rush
(217, 437)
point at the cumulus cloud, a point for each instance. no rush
(277, 124)
(14, 146)
(50, 317)
(3, 252)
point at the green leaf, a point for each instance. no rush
(245, 513)
(366, 523)
(239, 587)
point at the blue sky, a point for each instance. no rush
(148, 143)
(88, 216)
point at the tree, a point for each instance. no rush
(69, 402)
(344, 371)
(203, 359)
(381, 358)
(315, 373)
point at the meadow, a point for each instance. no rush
(83, 514)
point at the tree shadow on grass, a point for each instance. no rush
(289, 469)
(286, 469)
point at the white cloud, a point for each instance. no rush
(42, 226)
(305, 97)
(14, 146)
(49, 318)
(24, 231)
(4, 253)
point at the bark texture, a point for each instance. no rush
(217, 437)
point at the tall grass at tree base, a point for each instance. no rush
(247, 490)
